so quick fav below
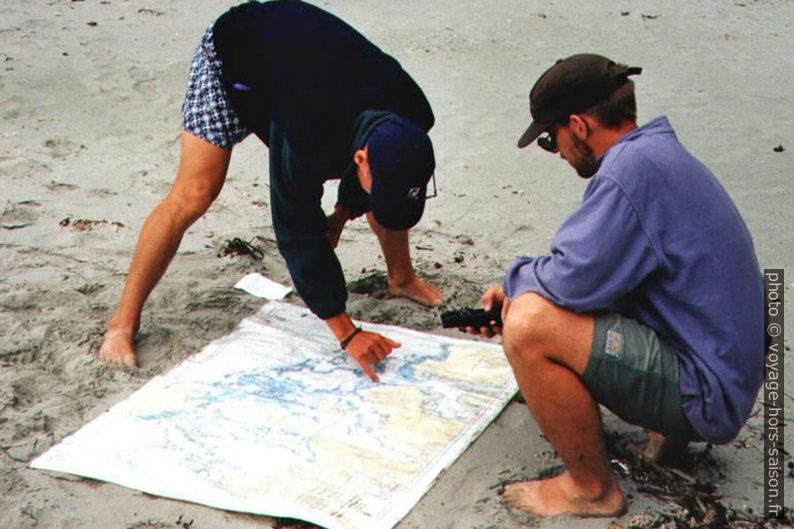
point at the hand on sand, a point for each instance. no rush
(417, 289)
(117, 348)
(559, 496)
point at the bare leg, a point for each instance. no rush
(199, 179)
(548, 349)
(403, 280)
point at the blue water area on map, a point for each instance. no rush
(302, 388)
(407, 371)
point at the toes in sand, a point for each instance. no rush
(117, 349)
(417, 290)
(556, 497)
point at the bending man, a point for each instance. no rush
(328, 104)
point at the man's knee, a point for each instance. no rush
(527, 324)
(537, 329)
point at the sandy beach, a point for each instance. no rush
(90, 95)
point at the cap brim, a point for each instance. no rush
(403, 216)
(393, 209)
(535, 129)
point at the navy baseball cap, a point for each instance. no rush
(401, 162)
(571, 86)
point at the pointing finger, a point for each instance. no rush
(368, 370)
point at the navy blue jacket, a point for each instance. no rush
(309, 79)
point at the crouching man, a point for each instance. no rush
(650, 301)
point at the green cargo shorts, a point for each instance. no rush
(635, 375)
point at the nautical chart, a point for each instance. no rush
(274, 419)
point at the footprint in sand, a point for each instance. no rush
(18, 168)
(20, 215)
(61, 148)
(60, 186)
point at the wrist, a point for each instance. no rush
(344, 342)
(340, 325)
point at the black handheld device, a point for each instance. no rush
(472, 318)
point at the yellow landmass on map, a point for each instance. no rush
(484, 367)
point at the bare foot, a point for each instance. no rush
(418, 290)
(118, 349)
(558, 497)
(661, 449)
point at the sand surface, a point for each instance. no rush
(90, 95)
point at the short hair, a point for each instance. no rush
(620, 106)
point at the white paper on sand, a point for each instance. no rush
(262, 287)
(274, 419)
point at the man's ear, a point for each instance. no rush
(578, 126)
(361, 158)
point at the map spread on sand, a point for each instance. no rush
(274, 419)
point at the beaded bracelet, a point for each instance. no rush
(346, 341)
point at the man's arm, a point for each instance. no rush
(336, 223)
(307, 262)
(363, 346)
(199, 179)
(599, 255)
(305, 239)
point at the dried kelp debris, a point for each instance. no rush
(687, 486)
(238, 246)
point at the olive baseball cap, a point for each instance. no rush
(572, 85)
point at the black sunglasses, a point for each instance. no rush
(548, 141)
(435, 192)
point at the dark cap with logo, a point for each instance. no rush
(572, 85)
(401, 162)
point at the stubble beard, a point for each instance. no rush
(585, 164)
